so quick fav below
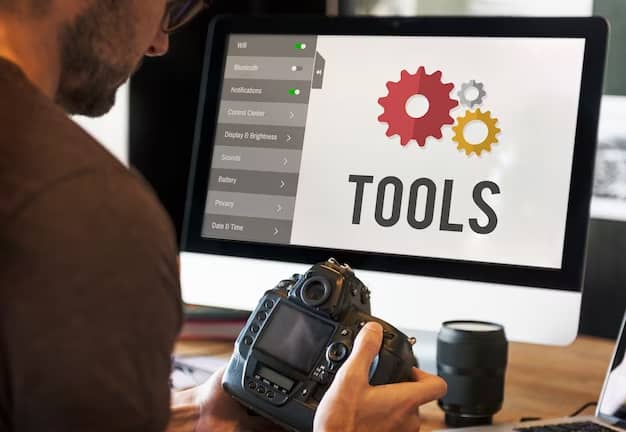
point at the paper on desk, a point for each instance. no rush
(190, 371)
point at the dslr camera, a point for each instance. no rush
(298, 337)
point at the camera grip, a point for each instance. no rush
(395, 359)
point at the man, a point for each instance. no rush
(89, 297)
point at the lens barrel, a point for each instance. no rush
(471, 358)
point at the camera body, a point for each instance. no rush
(298, 337)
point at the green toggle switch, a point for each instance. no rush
(294, 91)
(300, 45)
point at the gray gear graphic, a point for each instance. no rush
(468, 85)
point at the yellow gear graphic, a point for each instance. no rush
(492, 131)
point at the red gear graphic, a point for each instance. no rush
(439, 106)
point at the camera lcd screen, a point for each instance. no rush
(294, 337)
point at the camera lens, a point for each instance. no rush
(315, 291)
(471, 357)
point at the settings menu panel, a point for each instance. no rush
(259, 138)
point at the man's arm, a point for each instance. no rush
(90, 308)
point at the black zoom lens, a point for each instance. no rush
(471, 358)
(315, 291)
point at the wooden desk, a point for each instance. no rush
(540, 381)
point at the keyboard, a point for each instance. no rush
(568, 427)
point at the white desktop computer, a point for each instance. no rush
(449, 161)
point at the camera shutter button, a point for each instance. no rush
(337, 352)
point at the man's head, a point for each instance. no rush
(101, 46)
(101, 42)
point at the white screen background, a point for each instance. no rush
(532, 88)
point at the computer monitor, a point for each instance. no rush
(449, 161)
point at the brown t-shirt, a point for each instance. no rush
(89, 293)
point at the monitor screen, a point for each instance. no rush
(459, 148)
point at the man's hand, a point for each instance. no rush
(351, 404)
(207, 408)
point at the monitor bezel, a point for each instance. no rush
(593, 29)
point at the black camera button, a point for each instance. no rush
(285, 283)
(337, 352)
(254, 328)
(365, 297)
(321, 375)
(261, 316)
(251, 385)
(268, 304)
(306, 390)
(269, 395)
(260, 389)
(247, 340)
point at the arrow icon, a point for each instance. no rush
(282, 184)
(279, 208)
(285, 161)
(291, 114)
(288, 138)
(275, 231)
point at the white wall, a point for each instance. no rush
(473, 7)
(531, 7)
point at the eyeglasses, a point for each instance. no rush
(180, 12)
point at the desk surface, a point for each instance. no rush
(541, 381)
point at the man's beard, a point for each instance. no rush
(89, 77)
